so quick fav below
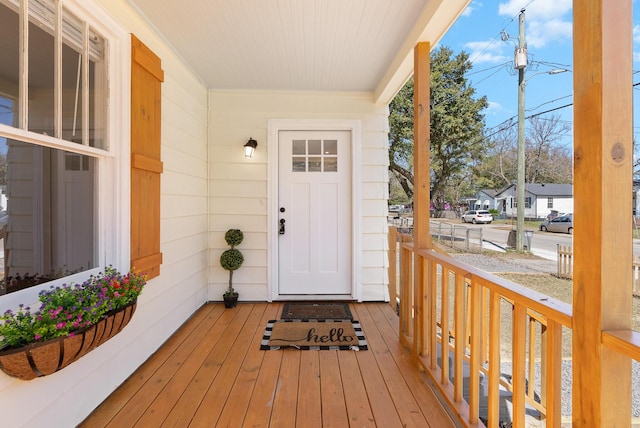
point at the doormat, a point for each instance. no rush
(314, 335)
(316, 311)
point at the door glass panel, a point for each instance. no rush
(330, 164)
(315, 164)
(315, 147)
(299, 164)
(330, 147)
(299, 147)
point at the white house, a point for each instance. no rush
(540, 200)
(127, 121)
(128, 150)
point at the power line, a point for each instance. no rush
(489, 68)
(492, 74)
(548, 102)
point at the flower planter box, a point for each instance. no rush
(44, 358)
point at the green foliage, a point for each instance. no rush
(457, 126)
(234, 237)
(457, 123)
(68, 308)
(231, 259)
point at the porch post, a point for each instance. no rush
(603, 156)
(421, 186)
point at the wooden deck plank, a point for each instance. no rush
(334, 409)
(182, 371)
(309, 409)
(188, 401)
(217, 396)
(211, 372)
(236, 406)
(286, 397)
(150, 376)
(384, 414)
(422, 392)
(406, 405)
(355, 393)
(261, 402)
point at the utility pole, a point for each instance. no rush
(520, 64)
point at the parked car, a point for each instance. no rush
(563, 224)
(477, 216)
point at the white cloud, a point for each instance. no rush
(472, 7)
(547, 20)
(636, 41)
(487, 52)
(494, 108)
(538, 10)
(542, 32)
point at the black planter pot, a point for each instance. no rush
(230, 300)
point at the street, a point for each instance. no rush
(543, 244)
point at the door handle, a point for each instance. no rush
(281, 231)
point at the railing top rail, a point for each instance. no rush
(551, 308)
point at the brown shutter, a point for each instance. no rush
(146, 166)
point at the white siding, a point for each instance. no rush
(66, 398)
(239, 187)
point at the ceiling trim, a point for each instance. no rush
(435, 19)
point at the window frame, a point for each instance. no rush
(113, 162)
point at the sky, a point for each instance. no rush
(548, 33)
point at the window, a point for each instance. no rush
(314, 156)
(550, 202)
(53, 142)
(527, 202)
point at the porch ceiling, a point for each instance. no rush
(307, 45)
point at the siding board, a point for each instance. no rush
(238, 115)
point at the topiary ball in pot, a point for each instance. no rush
(234, 237)
(232, 258)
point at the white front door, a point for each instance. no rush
(314, 213)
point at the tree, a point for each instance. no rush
(456, 128)
(547, 159)
(500, 163)
(401, 138)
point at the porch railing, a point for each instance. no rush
(487, 343)
(565, 267)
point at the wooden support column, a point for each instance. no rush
(603, 156)
(421, 186)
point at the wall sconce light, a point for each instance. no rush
(250, 147)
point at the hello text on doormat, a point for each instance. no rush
(314, 335)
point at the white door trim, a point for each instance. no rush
(274, 126)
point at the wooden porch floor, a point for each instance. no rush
(211, 372)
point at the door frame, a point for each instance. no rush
(274, 126)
